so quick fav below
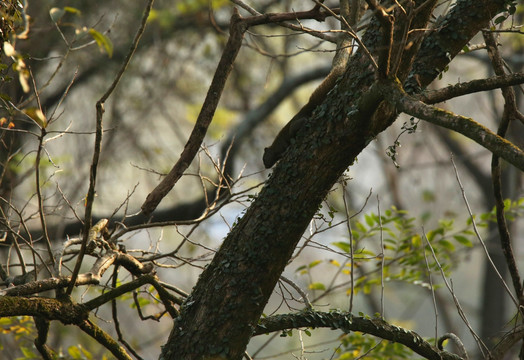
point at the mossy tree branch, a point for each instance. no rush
(347, 322)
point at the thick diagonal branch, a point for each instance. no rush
(461, 124)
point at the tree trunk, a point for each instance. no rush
(218, 319)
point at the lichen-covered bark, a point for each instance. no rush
(347, 323)
(220, 316)
(51, 309)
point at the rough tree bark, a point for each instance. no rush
(220, 316)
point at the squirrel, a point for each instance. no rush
(282, 141)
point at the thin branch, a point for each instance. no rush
(470, 87)
(477, 233)
(348, 29)
(387, 24)
(38, 185)
(98, 141)
(104, 339)
(117, 292)
(460, 311)
(382, 260)
(507, 341)
(114, 313)
(430, 280)
(461, 124)
(237, 30)
(299, 290)
(510, 109)
(351, 251)
(246, 7)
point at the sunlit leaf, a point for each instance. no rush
(344, 246)
(37, 116)
(317, 286)
(334, 262)
(72, 10)
(314, 263)
(9, 50)
(103, 42)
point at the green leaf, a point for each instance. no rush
(317, 286)
(72, 10)
(344, 246)
(28, 353)
(314, 263)
(300, 268)
(361, 227)
(103, 42)
(463, 240)
(416, 240)
(447, 245)
(499, 20)
(369, 220)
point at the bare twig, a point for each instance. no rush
(299, 290)
(98, 141)
(382, 260)
(510, 109)
(435, 309)
(477, 233)
(37, 179)
(483, 348)
(473, 86)
(114, 313)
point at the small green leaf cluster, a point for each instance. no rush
(392, 247)
(57, 14)
(354, 345)
(404, 250)
(23, 331)
(512, 210)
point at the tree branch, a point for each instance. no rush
(470, 87)
(66, 312)
(347, 322)
(238, 26)
(461, 124)
(98, 142)
(237, 29)
(104, 339)
(510, 112)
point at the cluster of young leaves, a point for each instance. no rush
(396, 242)
(393, 247)
(355, 345)
(166, 17)
(12, 27)
(57, 14)
(512, 211)
(21, 331)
